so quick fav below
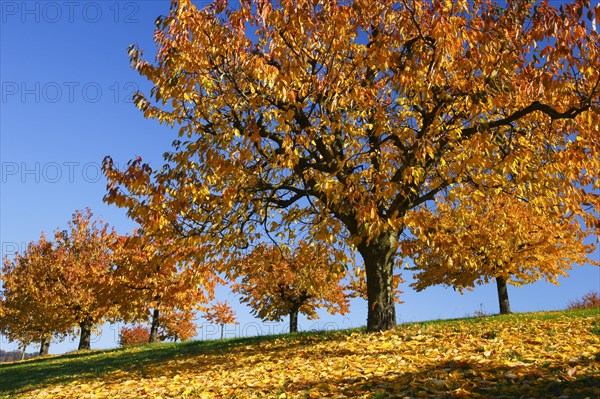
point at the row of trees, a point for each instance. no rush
(89, 275)
(463, 135)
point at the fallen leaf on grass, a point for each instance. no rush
(445, 360)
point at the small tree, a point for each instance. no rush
(134, 335)
(54, 287)
(82, 283)
(221, 314)
(282, 281)
(177, 325)
(588, 301)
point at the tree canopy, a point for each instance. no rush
(29, 312)
(279, 281)
(55, 286)
(471, 241)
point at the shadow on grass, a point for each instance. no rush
(23, 376)
(59, 370)
(439, 379)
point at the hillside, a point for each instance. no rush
(549, 354)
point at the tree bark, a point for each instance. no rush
(155, 324)
(503, 296)
(44, 346)
(294, 320)
(378, 256)
(23, 349)
(85, 338)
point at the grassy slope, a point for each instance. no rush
(545, 354)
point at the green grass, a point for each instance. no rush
(21, 377)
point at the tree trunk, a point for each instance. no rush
(378, 256)
(155, 324)
(222, 330)
(44, 346)
(85, 337)
(503, 296)
(23, 349)
(294, 321)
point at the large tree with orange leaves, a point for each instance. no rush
(473, 240)
(278, 281)
(82, 281)
(345, 116)
(54, 287)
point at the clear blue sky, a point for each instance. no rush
(65, 104)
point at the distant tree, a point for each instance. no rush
(54, 287)
(134, 335)
(157, 283)
(178, 325)
(278, 281)
(12, 356)
(29, 309)
(500, 237)
(220, 313)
